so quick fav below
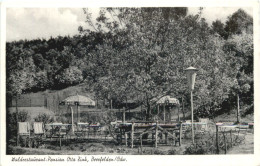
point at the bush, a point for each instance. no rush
(172, 152)
(197, 148)
(45, 118)
(61, 119)
(23, 116)
(159, 152)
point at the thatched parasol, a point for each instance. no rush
(77, 100)
(168, 100)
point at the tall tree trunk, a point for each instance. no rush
(16, 108)
(183, 108)
(238, 109)
(148, 108)
(178, 113)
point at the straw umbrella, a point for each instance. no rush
(166, 100)
(77, 100)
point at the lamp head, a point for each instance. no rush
(191, 75)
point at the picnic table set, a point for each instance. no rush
(38, 131)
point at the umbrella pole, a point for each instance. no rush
(78, 113)
(164, 112)
(72, 127)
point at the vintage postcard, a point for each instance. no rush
(130, 83)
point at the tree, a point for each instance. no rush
(70, 76)
(219, 28)
(20, 73)
(238, 22)
(16, 84)
(145, 51)
(241, 48)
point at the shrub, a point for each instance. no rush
(111, 151)
(23, 116)
(158, 152)
(196, 149)
(45, 118)
(172, 152)
(62, 119)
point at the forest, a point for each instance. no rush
(141, 54)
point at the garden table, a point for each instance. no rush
(228, 127)
(58, 129)
(197, 125)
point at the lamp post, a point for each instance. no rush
(191, 75)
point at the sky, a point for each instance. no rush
(33, 23)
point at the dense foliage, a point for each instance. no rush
(141, 54)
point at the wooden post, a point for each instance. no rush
(225, 142)
(231, 138)
(238, 109)
(30, 142)
(141, 142)
(53, 105)
(156, 133)
(132, 135)
(166, 138)
(164, 112)
(72, 122)
(123, 115)
(158, 109)
(125, 139)
(121, 136)
(78, 113)
(45, 101)
(183, 107)
(180, 133)
(178, 113)
(141, 110)
(60, 142)
(174, 137)
(17, 119)
(217, 144)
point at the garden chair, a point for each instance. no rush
(79, 131)
(205, 125)
(203, 128)
(251, 127)
(52, 130)
(82, 129)
(39, 132)
(48, 131)
(63, 131)
(24, 132)
(241, 134)
(24, 128)
(176, 138)
(38, 128)
(188, 121)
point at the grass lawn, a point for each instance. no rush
(246, 148)
(95, 148)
